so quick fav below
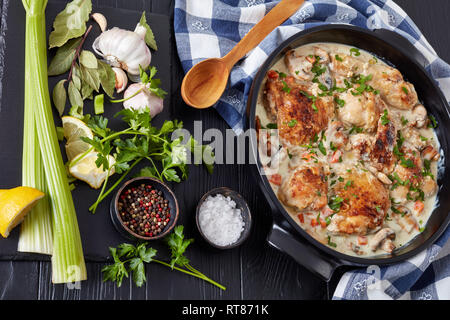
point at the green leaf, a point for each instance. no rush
(74, 96)
(70, 23)
(149, 36)
(125, 249)
(88, 59)
(178, 246)
(148, 172)
(64, 56)
(91, 76)
(171, 175)
(138, 268)
(60, 96)
(107, 78)
(76, 81)
(147, 255)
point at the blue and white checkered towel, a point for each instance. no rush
(210, 28)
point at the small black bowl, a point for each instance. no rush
(240, 204)
(156, 184)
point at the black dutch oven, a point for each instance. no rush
(286, 235)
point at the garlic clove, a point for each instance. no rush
(142, 100)
(100, 19)
(124, 49)
(121, 79)
(140, 30)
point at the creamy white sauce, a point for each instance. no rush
(344, 243)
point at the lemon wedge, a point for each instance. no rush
(86, 170)
(14, 205)
(74, 129)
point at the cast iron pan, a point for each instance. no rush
(286, 235)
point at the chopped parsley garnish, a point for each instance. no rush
(282, 75)
(319, 193)
(340, 102)
(289, 154)
(330, 243)
(405, 90)
(348, 184)
(426, 171)
(322, 148)
(355, 129)
(338, 58)
(341, 179)
(292, 123)
(335, 203)
(285, 88)
(297, 72)
(407, 163)
(355, 52)
(314, 107)
(433, 122)
(404, 121)
(423, 138)
(385, 118)
(332, 146)
(272, 126)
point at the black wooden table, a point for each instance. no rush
(253, 271)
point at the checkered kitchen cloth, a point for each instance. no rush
(210, 28)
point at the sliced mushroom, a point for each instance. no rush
(428, 186)
(430, 153)
(420, 115)
(405, 219)
(380, 237)
(388, 245)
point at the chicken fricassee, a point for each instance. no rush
(348, 149)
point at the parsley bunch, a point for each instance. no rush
(142, 141)
(130, 259)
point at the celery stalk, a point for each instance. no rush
(36, 233)
(67, 261)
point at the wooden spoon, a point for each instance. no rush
(204, 84)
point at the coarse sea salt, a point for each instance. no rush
(221, 222)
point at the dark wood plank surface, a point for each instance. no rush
(253, 271)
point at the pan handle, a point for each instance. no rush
(302, 252)
(396, 39)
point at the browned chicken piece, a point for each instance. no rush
(393, 89)
(365, 202)
(381, 154)
(299, 118)
(346, 66)
(361, 111)
(305, 188)
(300, 67)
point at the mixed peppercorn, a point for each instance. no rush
(144, 210)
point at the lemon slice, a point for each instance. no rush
(74, 129)
(86, 170)
(14, 205)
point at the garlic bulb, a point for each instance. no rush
(123, 49)
(143, 99)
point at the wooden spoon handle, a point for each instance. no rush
(273, 19)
